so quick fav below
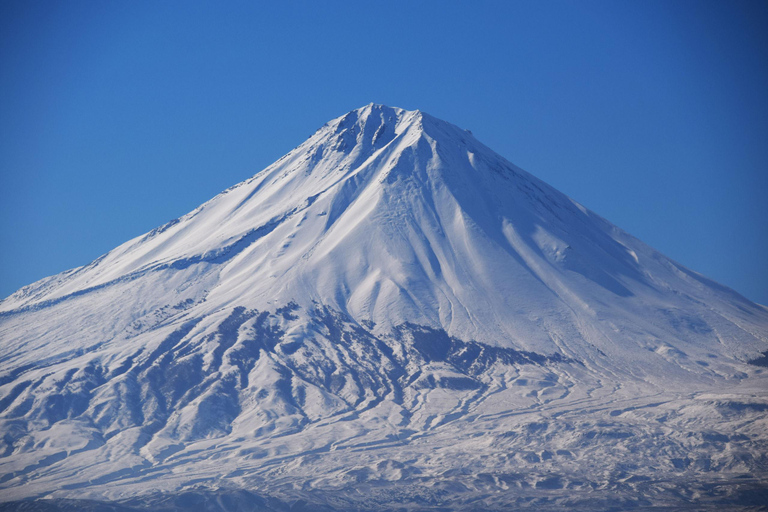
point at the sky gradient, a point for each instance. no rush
(117, 117)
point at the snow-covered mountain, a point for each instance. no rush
(389, 316)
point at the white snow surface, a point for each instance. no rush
(316, 328)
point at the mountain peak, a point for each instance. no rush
(373, 131)
(372, 121)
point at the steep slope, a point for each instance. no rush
(391, 304)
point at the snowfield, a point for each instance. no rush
(389, 317)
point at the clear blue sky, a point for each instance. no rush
(116, 117)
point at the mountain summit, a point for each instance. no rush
(392, 307)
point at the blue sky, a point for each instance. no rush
(116, 117)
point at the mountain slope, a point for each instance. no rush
(391, 304)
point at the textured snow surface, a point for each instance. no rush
(389, 316)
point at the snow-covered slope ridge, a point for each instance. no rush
(393, 272)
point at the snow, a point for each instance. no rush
(390, 305)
